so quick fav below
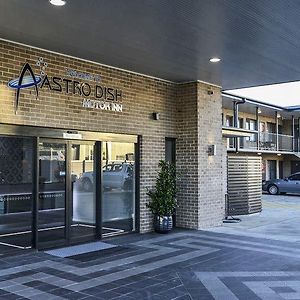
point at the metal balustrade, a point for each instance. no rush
(267, 142)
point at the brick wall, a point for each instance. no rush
(141, 95)
(211, 171)
(187, 156)
(202, 178)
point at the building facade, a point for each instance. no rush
(80, 145)
(273, 135)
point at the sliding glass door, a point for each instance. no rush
(56, 192)
(52, 192)
(118, 193)
(82, 198)
(66, 192)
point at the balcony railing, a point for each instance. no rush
(267, 142)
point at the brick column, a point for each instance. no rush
(202, 181)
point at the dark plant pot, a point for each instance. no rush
(163, 224)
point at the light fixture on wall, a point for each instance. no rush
(156, 116)
(278, 154)
(58, 2)
(278, 115)
(258, 110)
(212, 150)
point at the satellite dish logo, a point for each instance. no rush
(27, 81)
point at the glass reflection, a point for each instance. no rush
(118, 206)
(52, 196)
(83, 191)
(15, 190)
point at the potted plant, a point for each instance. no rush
(163, 197)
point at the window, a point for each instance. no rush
(295, 177)
(170, 150)
(251, 125)
(229, 121)
(271, 127)
(241, 123)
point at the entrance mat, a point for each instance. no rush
(92, 256)
(80, 249)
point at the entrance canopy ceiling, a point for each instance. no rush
(258, 41)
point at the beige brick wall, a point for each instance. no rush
(187, 156)
(202, 176)
(201, 194)
(211, 168)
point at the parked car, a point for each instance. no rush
(115, 176)
(289, 184)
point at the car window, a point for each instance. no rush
(116, 168)
(107, 168)
(295, 177)
(113, 168)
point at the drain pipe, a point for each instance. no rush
(236, 119)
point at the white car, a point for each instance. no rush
(115, 176)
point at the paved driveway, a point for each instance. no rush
(183, 265)
(280, 220)
(259, 261)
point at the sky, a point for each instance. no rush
(283, 94)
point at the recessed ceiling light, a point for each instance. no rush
(58, 2)
(215, 59)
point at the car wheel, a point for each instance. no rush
(273, 189)
(86, 185)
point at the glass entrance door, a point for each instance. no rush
(82, 197)
(66, 209)
(118, 192)
(55, 192)
(52, 192)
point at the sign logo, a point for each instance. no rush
(95, 95)
(27, 81)
(24, 82)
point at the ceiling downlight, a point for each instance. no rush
(215, 60)
(58, 2)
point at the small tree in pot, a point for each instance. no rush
(163, 198)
